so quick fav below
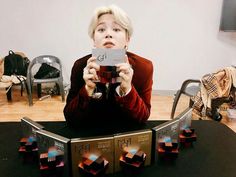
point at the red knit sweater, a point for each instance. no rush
(80, 109)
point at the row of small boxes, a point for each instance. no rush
(94, 156)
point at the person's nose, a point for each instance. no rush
(108, 34)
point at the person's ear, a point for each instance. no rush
(127, 43)
(127, 39)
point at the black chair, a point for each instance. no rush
(50, 60)
(22, 79)
(189, 88)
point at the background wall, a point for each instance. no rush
(181, 37)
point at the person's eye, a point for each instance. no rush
(101, 29)
(116, 29)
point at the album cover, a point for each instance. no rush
(132, 149)
(53, 153)
(92, 156)
(29, 127)
(107, 59)
(187, 133)
(185, 119)
(167, 132)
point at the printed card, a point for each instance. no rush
(92, 156)
(132, 149)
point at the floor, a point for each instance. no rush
(51, 108)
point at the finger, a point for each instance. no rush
(93, 65)
(128, 70)
(91, 59)
(91, 84)
(88, 75)
(124, 67)
(124, 76)
(94, 72)
(85, 71)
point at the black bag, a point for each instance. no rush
(15, 64)
(46, 71)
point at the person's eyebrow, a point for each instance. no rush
(101, 23)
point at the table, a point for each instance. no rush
(212, 155)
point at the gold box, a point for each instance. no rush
(139, 140)
(82, 148)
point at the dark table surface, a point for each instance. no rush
(212, 155)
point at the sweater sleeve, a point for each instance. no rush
(77, 100)
(137, 103)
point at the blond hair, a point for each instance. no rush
(120, 17)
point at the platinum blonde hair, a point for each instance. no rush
(120, 17)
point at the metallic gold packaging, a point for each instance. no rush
(185, 119)
(85, 151)
(140, 141)
(169, 130)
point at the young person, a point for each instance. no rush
(95, 104)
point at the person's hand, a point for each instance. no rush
(126, 74)
(90, 75)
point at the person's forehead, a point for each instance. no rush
(107, 18)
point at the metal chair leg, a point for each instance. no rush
(39, 87)
(176, 99)
(62, 92)
(9, 98)
(29, 87)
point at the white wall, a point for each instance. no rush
(181, 37)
